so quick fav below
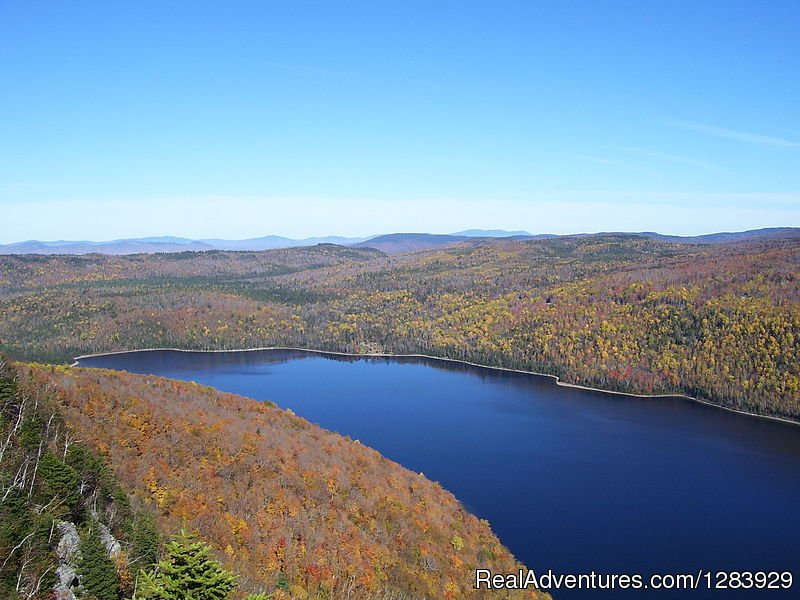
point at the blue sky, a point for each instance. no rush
(240, 119)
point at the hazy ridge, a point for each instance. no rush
(390, 243)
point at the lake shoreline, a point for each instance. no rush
(555, 378)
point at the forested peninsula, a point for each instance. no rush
(98, 469)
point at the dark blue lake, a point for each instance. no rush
(570, 480)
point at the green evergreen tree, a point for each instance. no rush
(144, 545)
(30, 433)
(90, 465)
(187, 572)
(96, 571)
(8, 389)
(59, 479)
(283, 582)
(16, 523)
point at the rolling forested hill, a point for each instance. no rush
(623, 312)
(293, 510)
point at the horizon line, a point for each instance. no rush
(155, 239)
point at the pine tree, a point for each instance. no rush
(60, 480)
(187, 572)
(8, 387)
(96, 571)
(144, 545)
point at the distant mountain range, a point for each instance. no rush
(166, 244)
(180, 244)
(723, 237)
(390, 243)
(132, 246)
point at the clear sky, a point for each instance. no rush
(240, 119)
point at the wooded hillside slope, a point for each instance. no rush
(290, 507)
(720, 322)
(66, 525)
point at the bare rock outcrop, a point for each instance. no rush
(68, 552)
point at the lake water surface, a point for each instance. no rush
(570, 480)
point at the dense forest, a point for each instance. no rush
(66, 525)
(619, 312)
(290, 510)
(627, 313)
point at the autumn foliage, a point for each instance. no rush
(719, 322)
(291, 508)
